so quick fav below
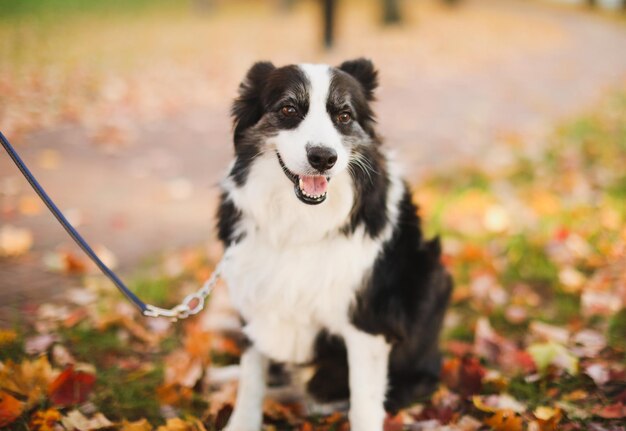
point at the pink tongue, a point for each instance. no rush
(314, 186)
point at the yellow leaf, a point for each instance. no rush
(547, 418)
(177, 424)
(29, 379)
(140, 425)
(45, 420)
(7, 337)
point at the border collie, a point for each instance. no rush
(324, 256)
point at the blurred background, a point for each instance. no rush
(121, 108)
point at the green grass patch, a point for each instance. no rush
(13, 351)
(527, 261)
(93, 346)
(617, 330)
(122, 395)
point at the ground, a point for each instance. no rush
(511, 120)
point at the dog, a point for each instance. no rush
(324, 257)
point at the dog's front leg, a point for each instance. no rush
(248, 412)
(368, 358)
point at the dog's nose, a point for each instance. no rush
(321, 158)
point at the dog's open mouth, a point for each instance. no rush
(310, 189)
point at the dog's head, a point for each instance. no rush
(313, 117)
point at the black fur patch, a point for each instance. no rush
(370, 192)
(330, 381)
(227, 218)
(363, 70)
(257, 110)
(405, 300)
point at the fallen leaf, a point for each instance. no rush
(600, 303)
(494, 403)
(75, 420)
(39, 343)
(10, 409)
(468, 423)
(45, 420)
(7, 337)
(548, 418)
(183, 369)
(612, 411)
(29, 379)
(505, 420)
(71, 387)
(176, 424)
(463, 376)
(140, 425)
(599, 373)
(174, 394)
(588, 343)
(545, 332)
(551, 353)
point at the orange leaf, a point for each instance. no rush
(10, 409)
(505, 420)
(71, 387)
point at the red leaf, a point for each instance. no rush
(71, 387)
(464, 376)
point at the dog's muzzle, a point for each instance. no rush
(310, 189)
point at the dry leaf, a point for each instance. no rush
(10, 409)
(140, 425)
(612, 411)
(7, 336)
(75, 420)
(45, 420)
(29, 379)
(551, 353)
(176, 424)
(71, 387)
(548, 418)
(505, 420)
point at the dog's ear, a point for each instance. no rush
(363, 70)
(247, 109)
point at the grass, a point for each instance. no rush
(60, 9)
(122, 395)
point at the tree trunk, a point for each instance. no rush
(330, 9)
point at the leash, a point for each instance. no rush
(190, 305)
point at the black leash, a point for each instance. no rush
(192, 304)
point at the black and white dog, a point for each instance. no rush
(325, 259)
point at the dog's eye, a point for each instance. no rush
(344, 118)
(289, 111)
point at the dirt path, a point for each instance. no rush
(456, 86)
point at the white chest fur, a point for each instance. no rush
(294, 273)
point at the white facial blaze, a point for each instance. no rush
(317, 128)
